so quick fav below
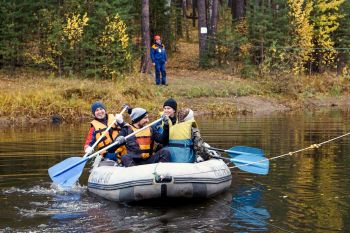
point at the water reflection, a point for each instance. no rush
(249, 213)
(306, 192)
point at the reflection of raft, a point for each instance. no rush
(161, 180)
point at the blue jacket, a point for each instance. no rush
(158, 53)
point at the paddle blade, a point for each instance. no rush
(252, 163)
(67, 172)
(241, 150)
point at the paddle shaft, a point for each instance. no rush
(230, 151)
(217, 149)
(237, 160)
(107, 147)
(219, 157)
(106, 131)
(127, 137)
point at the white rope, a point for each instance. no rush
(313, 146)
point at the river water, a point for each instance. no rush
(304, 192)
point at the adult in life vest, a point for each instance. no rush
(185, 142)
(159, 59)
(169, 109)
(99, 124)
(140, 146)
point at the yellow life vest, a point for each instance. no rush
(182, 131)
(109, 137)
(180, 143)
(144, 140)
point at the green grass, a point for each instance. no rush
(41, 95)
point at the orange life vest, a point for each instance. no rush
(145, 142)
(109, 137)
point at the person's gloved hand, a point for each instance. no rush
(199, 159)
(89, 150)
(126, 106)
(120, 140)
(119, 118)
(165, 119)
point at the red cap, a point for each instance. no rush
(156, 37)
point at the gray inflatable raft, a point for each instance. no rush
(160, 180)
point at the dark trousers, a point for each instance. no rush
(130, 159)
(160, 68)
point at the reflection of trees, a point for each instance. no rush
(312, 182)
(27, 152)
(313, 179)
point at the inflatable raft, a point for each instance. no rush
(160, 180)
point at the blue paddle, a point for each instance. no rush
(248, 159)
(67, 172)
(240, 150)
(252, 163)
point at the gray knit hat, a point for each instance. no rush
(137, 114)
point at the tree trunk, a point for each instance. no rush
(184, 16)
(238, 9)
(176, 5)
(194, 4)
(145, 37)
(341, 63)
(214, 18)
(202, 32)
(213, 12)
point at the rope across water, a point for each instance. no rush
(313, 146)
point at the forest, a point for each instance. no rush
(110, 39)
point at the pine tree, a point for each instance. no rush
(325, 19)
(16, 29)
(342, 40)
(268, 29)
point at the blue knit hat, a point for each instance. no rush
(97, 105)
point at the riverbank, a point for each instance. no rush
(31, 96)
(36, 97)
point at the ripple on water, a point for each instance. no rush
(59, 203)
(39, 190)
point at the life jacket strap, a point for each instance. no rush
(171, 144)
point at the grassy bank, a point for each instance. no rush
(34, 95)
(37, 95)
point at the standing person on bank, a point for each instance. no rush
(100, 123)
(140, 147)
(159, 60)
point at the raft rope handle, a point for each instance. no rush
(155, 173)
(313, 146)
